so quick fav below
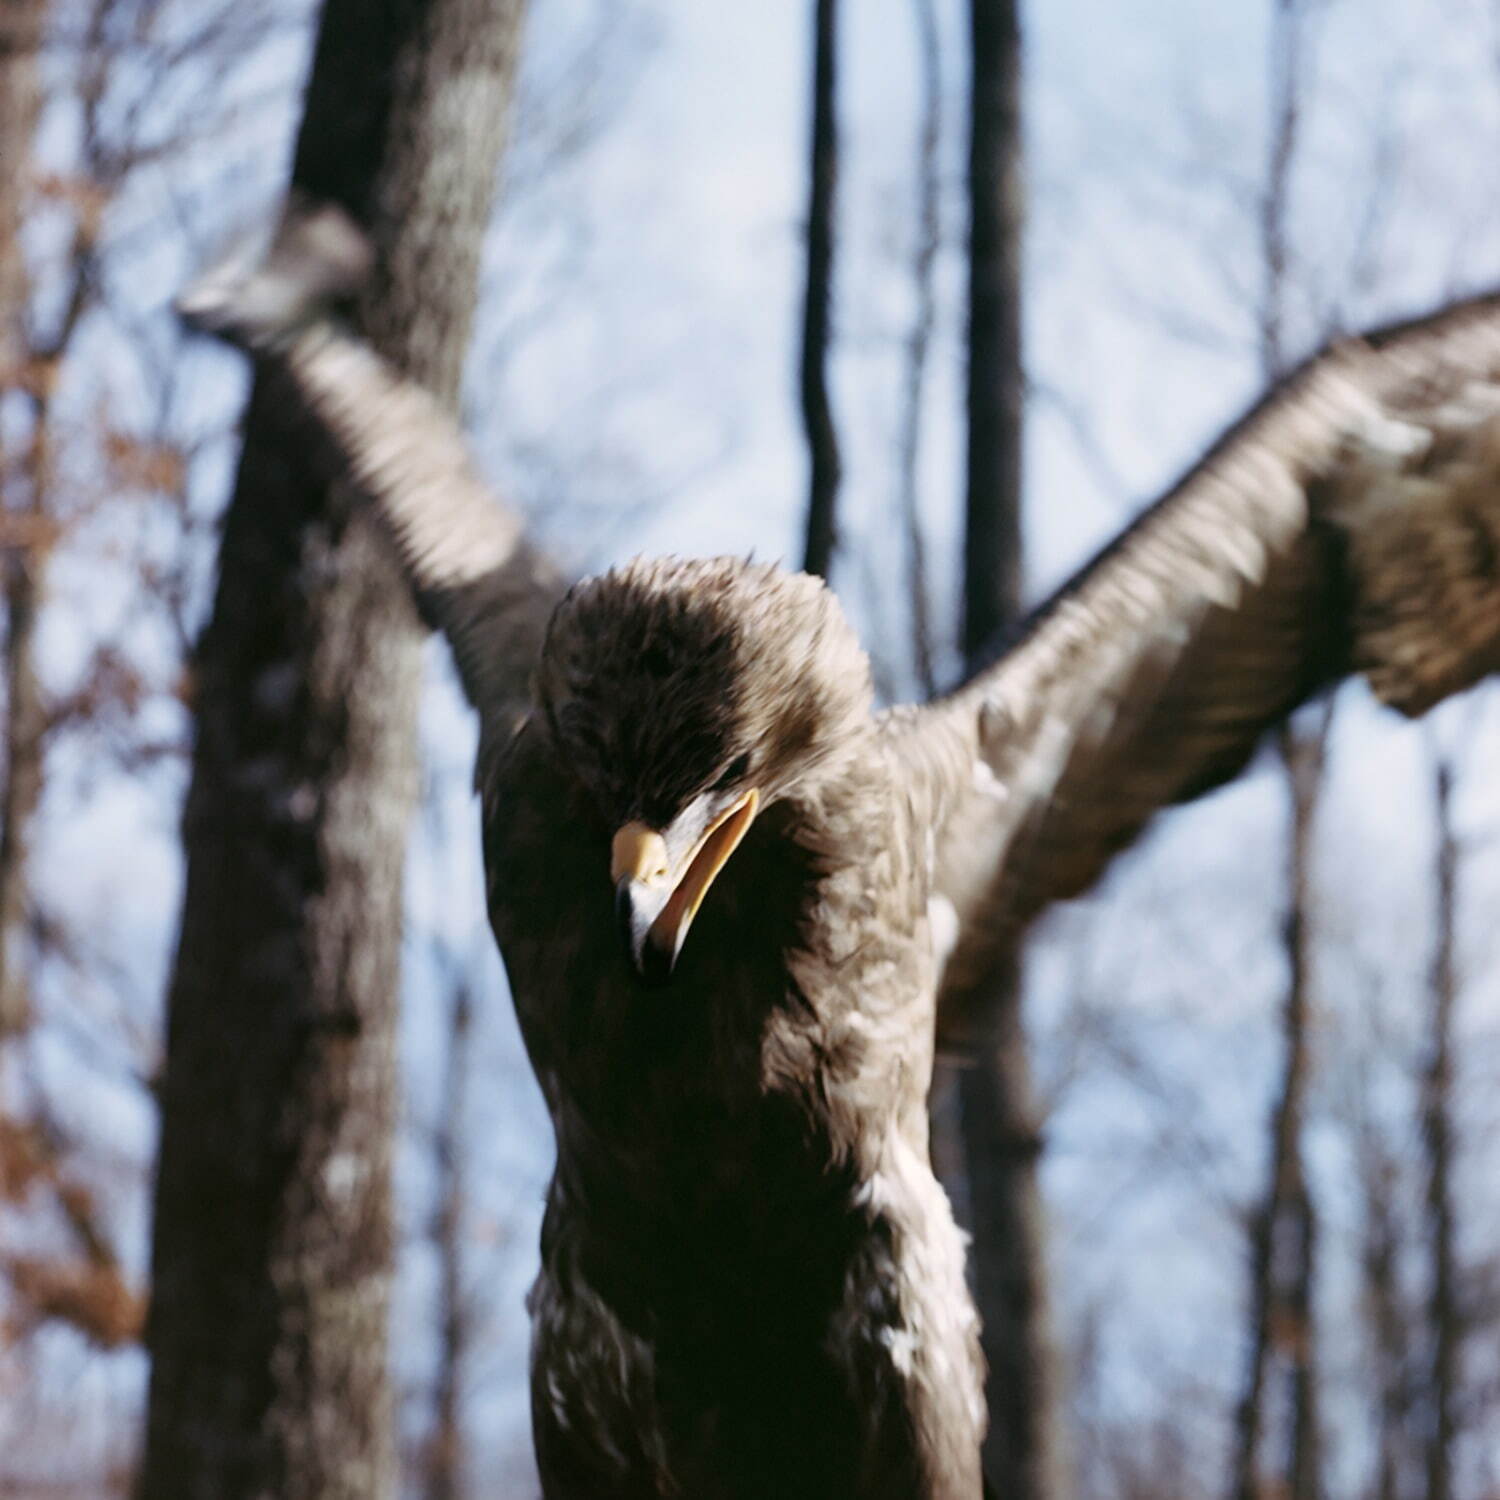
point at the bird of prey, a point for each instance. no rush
(737, 905)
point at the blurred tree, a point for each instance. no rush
(77, 1278)
(997, 1116)
(1283, 1226)
(23, 539)
(924, 254)
(997, 387)
(1445, 1317)
(272, 1250)
(1390, 1331)
(39, 503)
(447, 1457)
(817, 411)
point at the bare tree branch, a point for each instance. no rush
(817, 410)
(1445, 1321)
(919, 340)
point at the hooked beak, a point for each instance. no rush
(654, 903)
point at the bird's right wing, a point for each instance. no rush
(1350, 523)
(476, 576)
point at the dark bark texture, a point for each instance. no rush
(1001, 1147)
(997, 206)
(21, 793)
(1000, 1132)
(22, 541)
(1283, 1231)
(1390, 1330)
(447, 1461)
(1282, 1369)
(21, 24)
(817, 409)
(272, 1252)
(1443, 1309)
(925, 245)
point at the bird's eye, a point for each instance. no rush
(733, 772)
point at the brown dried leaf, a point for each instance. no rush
(24, 1159)
(93, 1298)
(142, 465)
(86, 197)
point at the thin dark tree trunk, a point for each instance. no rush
(33, 360)
(1437, 1133)
(996, 1110)
(1283, 1234)
(919, 341)
(817, 410)
(272, 1252)
(22, 544)
(447, 1468)
(1389, 1330)
(1301, 1227)
(84, 1287)
(28, 718)
(1304, 1457)
(1275, 248)
(21, 24)
(1002, 1143)
(25, 727)
(997, 206)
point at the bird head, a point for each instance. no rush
(686, 697)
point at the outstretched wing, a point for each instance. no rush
(1350, 523)
(475, 575)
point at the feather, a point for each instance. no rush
(1349, 523)
(751, 1281)
(475, 575)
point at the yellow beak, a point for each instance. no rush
(655, 904)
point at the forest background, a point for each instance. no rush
(1263, 1057)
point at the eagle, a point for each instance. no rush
(740, 907)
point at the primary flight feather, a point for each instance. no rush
(738, 906)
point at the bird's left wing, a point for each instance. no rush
(476, 575)
(1350, 523)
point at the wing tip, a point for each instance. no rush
(265, 288)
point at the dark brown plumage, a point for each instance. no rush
(1349, 523)
(751, 1284)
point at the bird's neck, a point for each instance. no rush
(807, 940)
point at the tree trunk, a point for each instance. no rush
(272, 1253)
(21, 23)
(1437, 1133)
(25, 725)
(1389, 1327)
(1283, 1234)
(447, 1467)
(1283, 1239)
(817, 411)
(1001, 1148)
(997, 1115)
(30, 366)
(992, 532)
(919, 342)
(22, 540)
